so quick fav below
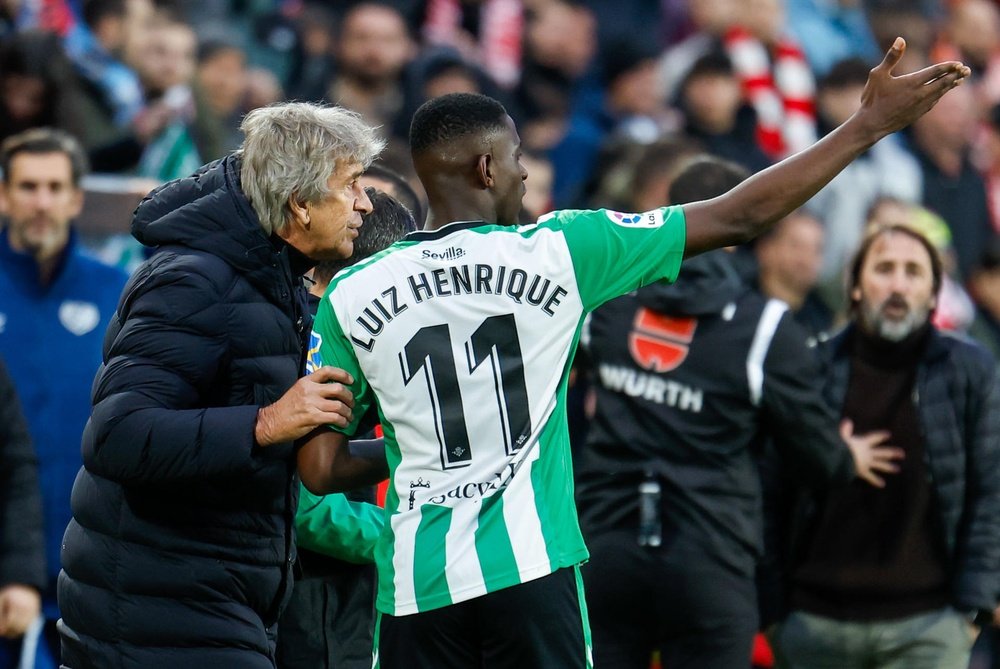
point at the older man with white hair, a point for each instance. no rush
(181, 546)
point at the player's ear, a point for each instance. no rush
(484, 170)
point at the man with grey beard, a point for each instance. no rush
(901, 576)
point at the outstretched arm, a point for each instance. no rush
(888, 103)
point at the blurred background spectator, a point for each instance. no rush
(37, 85)
(372, 49)
(831, 31)
(987, 157)
(220, 86)
(485, 32)
(716, 114)
(953, 188)
(970, 32)
(775, 76)
(789, 258)
(984, 287)
(55, 304)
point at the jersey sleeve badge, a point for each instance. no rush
(648, 219)
(314, 359)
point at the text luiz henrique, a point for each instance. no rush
(479, 279)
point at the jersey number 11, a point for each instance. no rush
(495, 340)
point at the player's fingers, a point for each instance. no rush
(892, 56)
(944, 84)
(933, 73)
(933, 91)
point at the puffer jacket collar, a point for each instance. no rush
(209, 212)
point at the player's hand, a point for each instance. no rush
(20, 605)
(890, 103)
(871, 457)
(321, 398)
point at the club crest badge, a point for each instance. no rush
(659, 343)
(79, 317)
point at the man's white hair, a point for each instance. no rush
(291, 149)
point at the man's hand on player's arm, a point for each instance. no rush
(888, 103)
(321, 398)
(327, 464)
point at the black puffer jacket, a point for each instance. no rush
(958, 401)
(180, 549)
(22, 542)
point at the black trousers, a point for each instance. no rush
(676, 599)
(541, 624)
(329, 621)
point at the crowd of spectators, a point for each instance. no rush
(608, 101)
(156, 88)
(612, 101)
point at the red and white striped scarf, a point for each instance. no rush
(502, 23)
(780, 87)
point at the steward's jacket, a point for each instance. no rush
(181, 545)
(689, 377)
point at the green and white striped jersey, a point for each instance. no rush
(465, 336)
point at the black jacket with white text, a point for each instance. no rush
(689, 377)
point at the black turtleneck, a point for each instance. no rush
(876, 554)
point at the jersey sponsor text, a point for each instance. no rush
(652, 388)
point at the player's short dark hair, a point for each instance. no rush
(388, 222)
(44, 140)
(705, 177)
(449, 117)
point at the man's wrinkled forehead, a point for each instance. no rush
(897, 246)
